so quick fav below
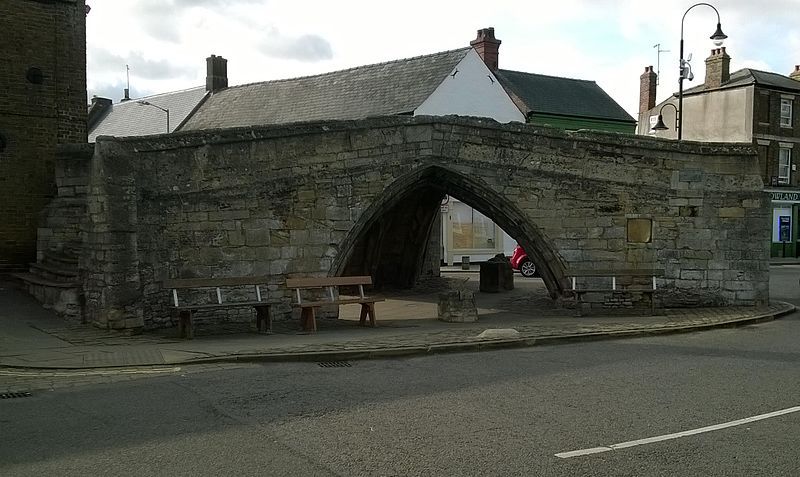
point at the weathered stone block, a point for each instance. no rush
(735, 212)
(457, 306)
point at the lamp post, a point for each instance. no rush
(147, 103)
(685, 70)
(660, 126)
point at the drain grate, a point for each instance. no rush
(14, 395)
(334, 364)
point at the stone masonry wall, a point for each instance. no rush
(295, 200)
(64, 217)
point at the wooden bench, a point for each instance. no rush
(615, 281)
(183, 312)
(307, 308)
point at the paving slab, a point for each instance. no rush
(32, 337)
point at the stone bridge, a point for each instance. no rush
(361, 197)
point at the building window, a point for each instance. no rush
(471, 229)
(786, 113)
(763, 108)
(784, 165)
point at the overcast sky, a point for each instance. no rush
(165, 42)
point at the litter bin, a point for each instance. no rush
(496, 274)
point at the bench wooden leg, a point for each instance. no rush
(578, 304)
(185, 328)
(367, 311)
(308, 320)
(263, 319)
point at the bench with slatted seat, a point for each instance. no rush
(614, 282)
(333, 297)
(202, 300)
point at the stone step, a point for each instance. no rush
(65, 298)
(56, 272)
(60, 260)
(34, 279)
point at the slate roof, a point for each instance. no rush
(391, 88)
(130, 118)
(748, 76)
(561, 96)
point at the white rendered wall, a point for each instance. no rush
(718, 116)
(473, 91)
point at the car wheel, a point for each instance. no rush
(527, 268)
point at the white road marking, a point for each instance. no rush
(650, 440)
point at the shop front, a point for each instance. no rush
(785, 205)
(468, 233)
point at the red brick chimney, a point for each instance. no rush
(647, 89)
(216, 73)
(718, 68)
(487, 46)
(795, 75)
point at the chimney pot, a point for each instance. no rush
(488, 47)
(647, 89)
(216, 73)
(718, 68)
(795, 75)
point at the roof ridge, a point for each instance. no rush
(156, 95)
(549, 76)
(371, 65)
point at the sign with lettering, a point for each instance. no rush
(785, 228)
(785, 196)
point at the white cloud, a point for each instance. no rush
(609, 41)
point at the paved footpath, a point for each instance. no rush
(34, 342)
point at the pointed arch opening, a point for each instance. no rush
(390, 239)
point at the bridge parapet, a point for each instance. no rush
(335, 197)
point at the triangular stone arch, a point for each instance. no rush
(425, 187)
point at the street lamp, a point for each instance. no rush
(685, 69)
(660, 126)
(147, 103)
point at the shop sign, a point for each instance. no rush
(785, 196)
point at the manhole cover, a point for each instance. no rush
(15, 395)
(334, 364)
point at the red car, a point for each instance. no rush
(521, 262)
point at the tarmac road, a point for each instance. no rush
(491, 413)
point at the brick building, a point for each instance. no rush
(42, 105)
(748, 105)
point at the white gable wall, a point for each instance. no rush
(473, 91)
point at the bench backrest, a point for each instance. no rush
(328, 282)
(214, 282)
(614, 274)
(323, 282)
(631, 272)
(186, 283)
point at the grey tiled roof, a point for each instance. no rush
(562, 96)
(395, 87)
(747, 76)
(130, 118)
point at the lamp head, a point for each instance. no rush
(660, 126)
(718, 37)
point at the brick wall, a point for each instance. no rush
(769, 134)
(39, 109)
